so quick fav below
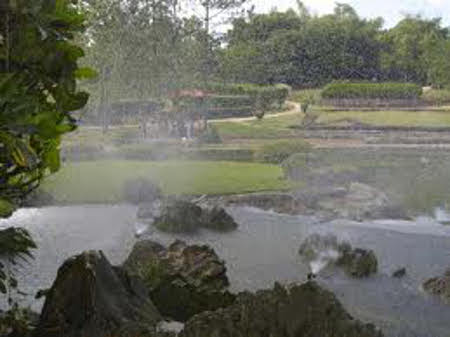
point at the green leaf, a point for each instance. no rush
(85, 73)
(6, 208)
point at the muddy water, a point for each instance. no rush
(264, 250)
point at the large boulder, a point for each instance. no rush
(297, 311)
(182, 280)
(216, 218)
(177, 215)
(92, 298)
(439, 286)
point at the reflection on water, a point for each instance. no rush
(264, 250)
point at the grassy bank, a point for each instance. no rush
(103, 181)
(281, 127)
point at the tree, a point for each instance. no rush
(38, 94)
(301, 50)
(407, 48)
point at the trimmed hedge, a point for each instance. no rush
(276, 94)
(386, 90)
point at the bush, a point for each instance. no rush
(387, 90)
(306, 98)
(437, 96)
(275, 95)
(230, 101)
(280, 151)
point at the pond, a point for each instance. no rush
(263, 250)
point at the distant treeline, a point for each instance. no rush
(302, 50)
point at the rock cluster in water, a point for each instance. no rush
(322, 250)
(92, 298)
(182, 280)
(304, 310)
(177, 215)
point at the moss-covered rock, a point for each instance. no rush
(218, 219)
(92, 298)
(183, 216)
(179, 216)
(297, 311)
(357, 262)
(182, 280)
(322, 250)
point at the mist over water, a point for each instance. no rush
(262, 251)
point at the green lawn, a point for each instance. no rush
(102, 181)
(390, 118)
(279, 127)
(268, 128)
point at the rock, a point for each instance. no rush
(141, 190)
(284, 203)
(399, 273)
(182, 280)
(91, 298)
(357, 262)
(218, 219)
(359, 203)
(182, 216)
(322, 250)
(297, 311)
(179, 216)
(439, 286)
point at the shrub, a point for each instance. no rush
(275, 94)
(386, 90)
(280, 151)
(306, 98)
(437, 96)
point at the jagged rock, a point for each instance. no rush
(298, 311)
(177, 215)
(357, 262)
(91, 298)
(439, 286)
(399, 273)
(182, 280)
(141, 190)
(218, 219)
(322, 250)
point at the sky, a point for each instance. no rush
(391, 10)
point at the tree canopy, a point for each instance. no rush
(38, 93)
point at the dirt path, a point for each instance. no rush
(294, 109)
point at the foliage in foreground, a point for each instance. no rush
(38, 72)
(38, 92)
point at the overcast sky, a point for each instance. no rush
(391, 10)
